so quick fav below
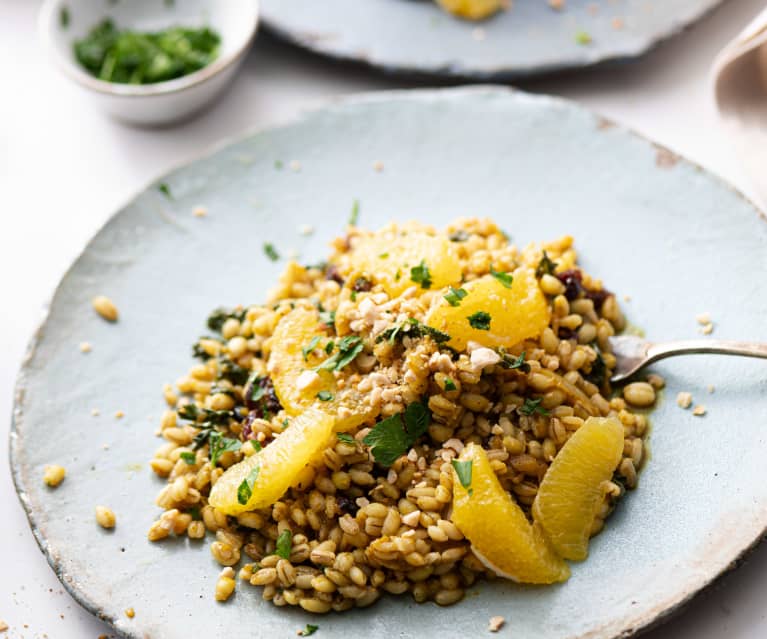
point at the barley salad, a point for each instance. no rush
(425, 409)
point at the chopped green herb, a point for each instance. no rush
(455, 295)
(480, 320)
(325, 396)
(383, 256)
(220, 445)
(165, 190)
(463, 470)
(459, 236)
(510, 362)
(412, 328)
(130, 57)
(309, 630)
(532, 406)
(219, 316)
(64, 17)
(278, 164)
(256, 444)
(355, 214)
(285, 423)
(348, 348)
(330, 346)
(420, 275)
(307, 350)
(353, 296)
(194, 511)
(284, 544)
(581, 37)
(397, 275)
(346, 438)
(392, 437)
(245, 489)
(189, 458)
(598, 373)
(271, 252)
(504, 278)
(545, 266)
(328, 317)
(449, 384)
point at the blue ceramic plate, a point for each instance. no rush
(417, 37)
(653, 226)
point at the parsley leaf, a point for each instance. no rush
(455, 295)
(271, 252)
(509, 362)
(306, 350)
(480, 320)
(284, 544)
(325, 396)
(346, 438)
(189, 458)
(348, 348)
(328, 317)
(309, 630)
(545, 266)
(449, 384)
(355, 214)
(165, 190)
(220, 445)
(412, 328)
(463, 470)
(420, 275)
(278, 164)
(391, 438)
(504, 278)
(219, 316)
(245, 489)
(532, 406)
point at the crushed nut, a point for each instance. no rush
(699, 410)
(3, 626)
(684, 400)
(703, 318)
(496, 623)
(54, 475)
(378, 166)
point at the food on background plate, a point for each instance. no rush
(473, 9)
(131, 57)
(423, 410)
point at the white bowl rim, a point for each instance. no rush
(47, 21)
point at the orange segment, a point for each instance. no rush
(286, 365)
(278, 463)
(572, 488)
(500, 534)
(516, 313)
(471, 9)
(387, 257)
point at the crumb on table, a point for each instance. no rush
(85, 347)
(130, 613)
(684, 399)
(105, 307)
(496, 623)
(53, 475)
(699, 410)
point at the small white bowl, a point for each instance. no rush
(236, 21)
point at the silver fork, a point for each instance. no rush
(634, 353)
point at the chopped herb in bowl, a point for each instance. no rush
(126, 56)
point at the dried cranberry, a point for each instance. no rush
(572, 279)
(331, 273)
(598, 297)
(362, 285)
(247, 426)
(566, 333)
(266, 400)
(347, 505)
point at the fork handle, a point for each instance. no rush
(701, 346)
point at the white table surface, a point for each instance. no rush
(64, 168)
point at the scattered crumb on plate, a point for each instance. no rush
(295, 165)
(53, 475)
(557, 5)
(378, 166)
(119, 414)
(85, 347)
(703, 318)
(478, 33)
(105, 517)
(684, 400)
(496, 623)
(200, 211)
(306, 229)
(3, 626)
(710, 388)
(95, 412)
(699, 410)
(707, 329)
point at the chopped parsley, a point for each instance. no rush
(278, 164)
(504, 278)
(463, 469)
(449, 384)
(307, 350)
(188, 457)
(355, 214)
(328, 317)
(459, 236)
(220, 445)
(346, 438)
(532, 406)
(420, 275)
(219, 316)
(348, 348)
(64, 17)
(455, 295)
(309, 630)
(271, 252)
(480, 320)
(284, 544)
(325, 396)
(545, 266)
(510, 362)
(411, 327)
(391, 438)
(383, 256)
(165, 190)
(245, 489)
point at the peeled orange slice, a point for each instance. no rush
(492, 313)
(572, 488)
(272, 470)
(387, 259)
(500, 534)
(286, 365)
